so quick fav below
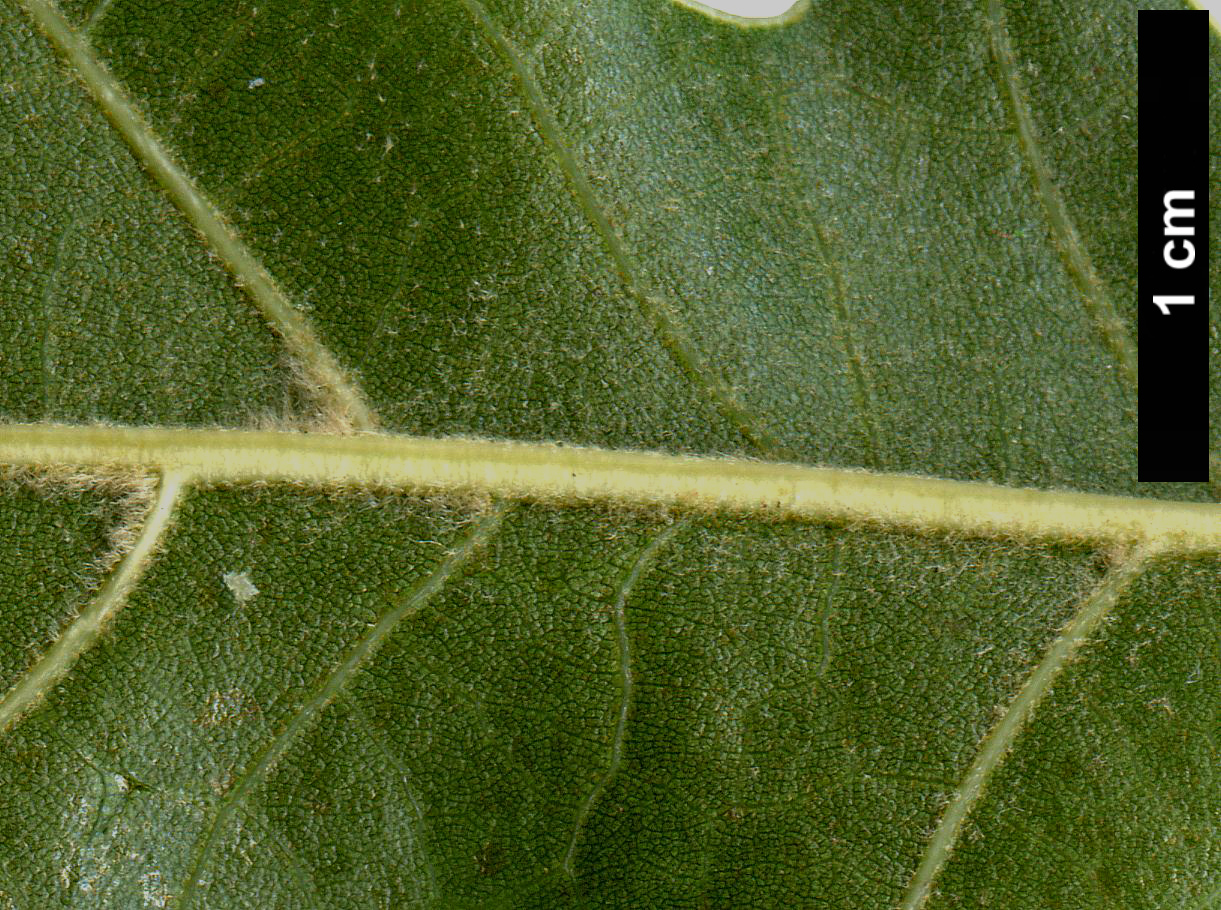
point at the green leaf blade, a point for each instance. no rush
(392, 670)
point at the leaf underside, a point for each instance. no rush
(893, 240)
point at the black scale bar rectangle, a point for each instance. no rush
(1173, 257)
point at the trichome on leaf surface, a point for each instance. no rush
(331, 338)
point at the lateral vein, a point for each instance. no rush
(662, 314)
(1000, 738)
(1076, 259)
(548, 472)
(343, 401)
(85, 629)
(626, 685)
(325, 692)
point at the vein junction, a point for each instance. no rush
(1001, 737)
(83, 631)
(326, 691)
(661, 313)
(549, 472)
(343, 401)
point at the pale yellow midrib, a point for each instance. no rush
(551, 472)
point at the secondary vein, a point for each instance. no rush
(418, 837)
(547, 472)
(1076, 259)
(1000, 738)
(85, 629)
(327, 689)
(626, 685)
(343, 402)
(660, 312)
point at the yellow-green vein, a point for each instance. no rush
(403, 776)
(84, 630)
(626, 684)
(857, 362)
(326, 690)
(995, 745)
(1072, 250)
(553, 473)
(342, 401)
(661, 313)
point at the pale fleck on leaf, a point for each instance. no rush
(240, 586)
(288, 623)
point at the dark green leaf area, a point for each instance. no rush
(1111, 797)
(456, 768)
(386, 169)
(784, 756)
(110, 308)
(630, 226)
(54, 547)
(125, 768)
